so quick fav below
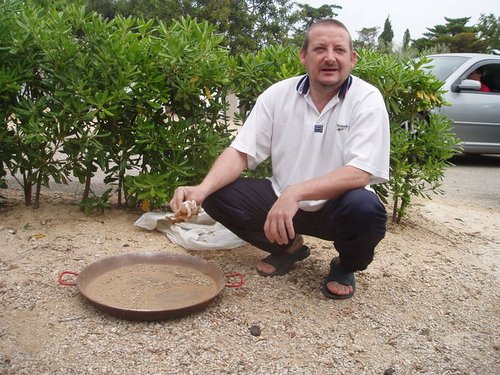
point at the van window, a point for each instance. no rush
(443, 66)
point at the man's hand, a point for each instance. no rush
(279, 223)
(183, 194)
(226, 169)
(186, 212)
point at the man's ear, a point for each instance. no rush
(354, 58)
(302, 56)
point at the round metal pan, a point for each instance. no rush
(169, 303)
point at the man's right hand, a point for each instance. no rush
(186, 193)
(226, 169)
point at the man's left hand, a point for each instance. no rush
(279, 223)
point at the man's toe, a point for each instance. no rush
(339, 289)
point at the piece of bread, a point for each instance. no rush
(186, 212)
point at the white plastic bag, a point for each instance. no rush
(201, 232)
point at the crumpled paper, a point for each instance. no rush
(200, 232)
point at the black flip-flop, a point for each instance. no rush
(338, 274)
(283, 263)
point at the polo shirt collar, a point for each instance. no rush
(304, 85)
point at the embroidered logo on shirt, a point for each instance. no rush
(318, 128)
(342, 127)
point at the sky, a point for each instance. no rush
(414, 15)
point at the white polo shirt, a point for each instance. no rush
(353, 129)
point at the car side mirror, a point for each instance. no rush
(470, 84)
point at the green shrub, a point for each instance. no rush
(421, 142)
(146, 104)
(30, 129)
(84, 93)
(255, 72)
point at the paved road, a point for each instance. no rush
(474, 179)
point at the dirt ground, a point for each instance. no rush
(428, 304)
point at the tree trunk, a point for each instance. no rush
(38, 188)
(27, 191)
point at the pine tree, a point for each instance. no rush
(406, 40)
(385, 38)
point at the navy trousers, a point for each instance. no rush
(355, 222)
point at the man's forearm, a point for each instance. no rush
(329, 186)
(226, 169)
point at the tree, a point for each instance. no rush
(489, 31)
(108, 9)
(385, 38)
(239, 29)
(306, 15)
(406, 40)
(232, 18)
(367, 38)
(271, 20)
(247, 25)
(455, 35)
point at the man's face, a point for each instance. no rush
(328, 58)
(475, 75)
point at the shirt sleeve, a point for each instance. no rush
(254, 137)
(368, 145)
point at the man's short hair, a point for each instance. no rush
(325, 21)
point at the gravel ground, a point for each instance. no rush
(428, 304)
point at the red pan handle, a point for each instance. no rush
(66, 283)
(237, 284)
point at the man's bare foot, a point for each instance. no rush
(266, 268)
(339, 289)
(339, 283)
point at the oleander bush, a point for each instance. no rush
(422, 142)
(144, 103)
(126, 96)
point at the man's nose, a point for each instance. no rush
(330, 55)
